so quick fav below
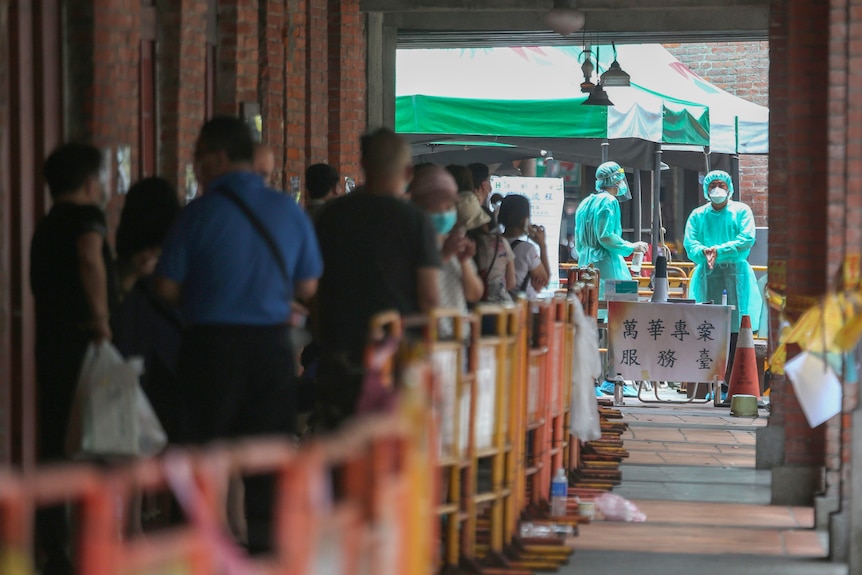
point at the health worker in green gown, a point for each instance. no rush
(598, 232)
(718, 239)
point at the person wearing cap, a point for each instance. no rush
(719, 236)
(598, 231)
(494, 257)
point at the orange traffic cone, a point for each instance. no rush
(743, 375)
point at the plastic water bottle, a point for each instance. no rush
(637, 262)
(724, 297)
(559, 493)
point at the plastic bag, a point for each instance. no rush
(587, 367)
(616, 508)
(111, 415)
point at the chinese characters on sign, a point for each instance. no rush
(668, 342)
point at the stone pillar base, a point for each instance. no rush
(770, 447)
(796, 485)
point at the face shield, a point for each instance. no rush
(624, 194)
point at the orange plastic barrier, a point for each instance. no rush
(358, 501)
(443, 479)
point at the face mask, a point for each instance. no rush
(623, 194)
(717, 196)
(444, 221)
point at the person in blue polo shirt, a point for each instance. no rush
(234, 261)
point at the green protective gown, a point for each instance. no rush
(598, 238)
(731, 230)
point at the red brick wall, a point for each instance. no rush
(798, 167)
(347, 91)
(844, 191)
(102, 103)
(272, 18)
(182, 42)
(237, 55)
(741, 68)
(317, 126)
(296, 93)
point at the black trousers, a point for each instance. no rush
(238, 381)
(59, 353)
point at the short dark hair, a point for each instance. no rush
(514, 210)
(480, 173)
(462, 176)
(384, 152)
(228, 134)
(67, 168)
(320, 179)
(150, 208)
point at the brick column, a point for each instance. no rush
(101, 102)
(273, 37)
(182, 42)
(346, 85)
(797, 178)
(837, 509)
(317, 93)
(237, 55)
(296, 91)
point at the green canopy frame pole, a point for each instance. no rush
(656, 202)
(605, 150)
(637, 208)
(734, 161)
(734, 176)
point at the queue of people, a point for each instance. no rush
(206, 293)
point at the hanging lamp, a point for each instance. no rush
(615, 77)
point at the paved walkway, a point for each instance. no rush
(691, 471)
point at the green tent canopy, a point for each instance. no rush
(679, 123)
(530, 98)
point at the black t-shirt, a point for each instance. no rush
(55, 275)
(373, 247)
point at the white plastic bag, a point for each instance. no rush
(616, 508)
(111, 416)
(587, 367)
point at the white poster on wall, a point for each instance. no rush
(546, 196)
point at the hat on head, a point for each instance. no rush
(608, 175)
(470, 212)
(717, 175)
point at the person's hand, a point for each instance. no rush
(537, 234)
(539, 279)
(641, 247)
(100, 330)
(452, 244)
(466, 250)
(711, 254)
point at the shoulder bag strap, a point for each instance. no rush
(523, 286)
(259, 227)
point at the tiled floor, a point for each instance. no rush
(691, 471)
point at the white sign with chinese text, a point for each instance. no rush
(546, 197)
(668, 342)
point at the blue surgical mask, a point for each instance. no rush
(444, 221)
